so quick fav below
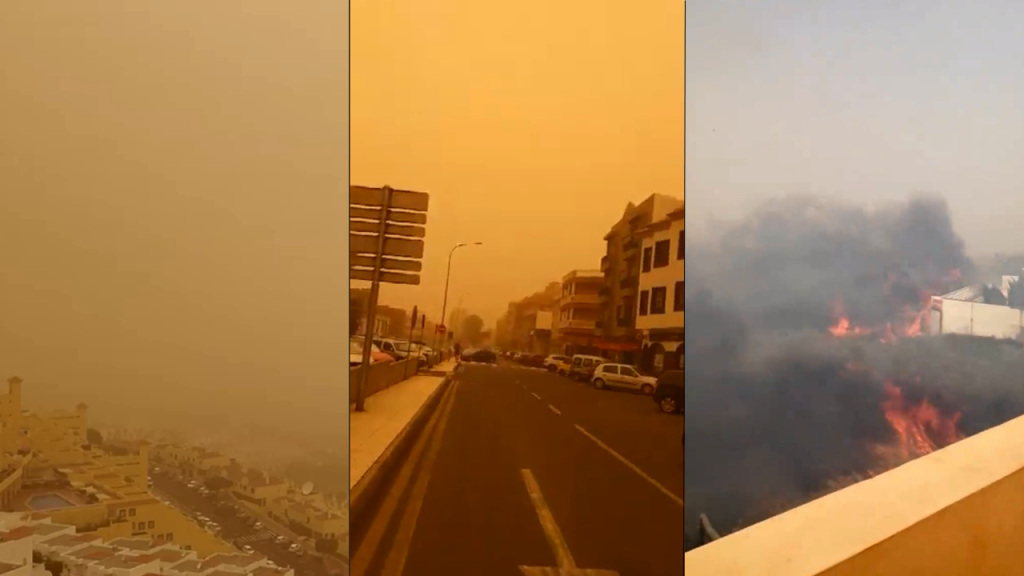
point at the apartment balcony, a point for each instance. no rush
(587, 325)
(954, 511)
(630, 248)
(605, 263)
(579, 300)
(629, 284)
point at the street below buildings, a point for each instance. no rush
(523, 468)
(235, 526)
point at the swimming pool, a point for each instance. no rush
(48, 502)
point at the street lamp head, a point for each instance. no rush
(478, 243)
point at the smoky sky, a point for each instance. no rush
(774, 411)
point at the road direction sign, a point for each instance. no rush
(386, 231)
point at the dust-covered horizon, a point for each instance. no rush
(780, 410)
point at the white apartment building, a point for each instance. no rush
(661, 294)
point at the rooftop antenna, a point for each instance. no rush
(307, 488)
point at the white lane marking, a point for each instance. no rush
(547, 522)
(555, 410)
(535, 395)
(633, 467)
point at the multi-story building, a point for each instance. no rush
(528, 325)
(621, 268)
(580, 311)
(50, 471)
(35, 544)
(659, 316)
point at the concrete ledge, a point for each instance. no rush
(957, 511)
(368, 491)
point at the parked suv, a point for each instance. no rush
(583, 366)
(669, 393)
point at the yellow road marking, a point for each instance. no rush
(535, 395)
(555, 410)
(633, 467)
(368, 548)
(394, 564)
(547, 522)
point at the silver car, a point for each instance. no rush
(623, 376)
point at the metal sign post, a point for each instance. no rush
(423, 324)
(412, 326)
(385, 243)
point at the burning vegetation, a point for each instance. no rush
(807, 371)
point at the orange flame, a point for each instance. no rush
(921, 428)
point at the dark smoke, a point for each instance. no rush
(774, 416)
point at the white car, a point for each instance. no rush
(258, 525)
(247, 549)
(622, 376)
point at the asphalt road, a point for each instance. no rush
(234, 529)
(525, 468)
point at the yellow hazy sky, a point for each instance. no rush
(530, 122)
(172, 209)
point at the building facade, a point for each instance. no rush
(621, 268)
(579, 312)
(529, 324)
(660, 305)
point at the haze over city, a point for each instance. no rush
(173, 204)
(530, 133)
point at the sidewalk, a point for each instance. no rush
(387, 413)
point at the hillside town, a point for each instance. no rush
(76, 503)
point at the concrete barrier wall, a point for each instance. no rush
(957, 511)
(382, 375)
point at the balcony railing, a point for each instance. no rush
(604, 263)
(577, 324)
(580, 300)
(963, 499)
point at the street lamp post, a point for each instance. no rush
(447, 279)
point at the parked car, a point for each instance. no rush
(669, 392)
(247, 549)
(482, 355)
(355, 345)
(402, 349)
(623, 376)
(583, 365)
(531, 360)
(558, 364)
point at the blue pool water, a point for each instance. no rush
(49, 501)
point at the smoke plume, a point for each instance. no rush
(780, 408)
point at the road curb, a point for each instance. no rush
(371, 487)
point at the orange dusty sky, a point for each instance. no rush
(531, 124)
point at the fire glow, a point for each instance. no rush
(911, 321)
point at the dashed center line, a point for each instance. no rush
(555, 410)
(535, 395)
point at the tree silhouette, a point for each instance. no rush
(93, 436)
(471, 330)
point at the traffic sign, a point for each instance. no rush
(441, 328)
(386, 228)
